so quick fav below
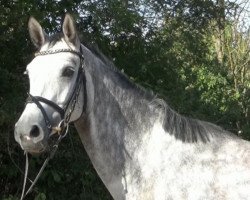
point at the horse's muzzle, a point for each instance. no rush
(31, 137)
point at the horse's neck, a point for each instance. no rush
(123, 134)
(119, 115)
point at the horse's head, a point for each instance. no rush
(55, 76)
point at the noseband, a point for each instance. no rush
(65, 111)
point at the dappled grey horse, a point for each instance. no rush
(139, 146)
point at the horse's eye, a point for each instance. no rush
(68, 72)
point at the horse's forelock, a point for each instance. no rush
(54, 38)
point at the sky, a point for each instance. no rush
(244, 18)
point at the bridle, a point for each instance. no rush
(65, 111)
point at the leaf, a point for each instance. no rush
(56, 177)
(40, 196)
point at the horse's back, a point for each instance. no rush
(170, 169)
(233, 169)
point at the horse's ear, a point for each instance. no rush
(36, 32)
(69, 30)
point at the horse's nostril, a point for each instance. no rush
(34, 132)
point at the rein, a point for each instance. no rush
(65, 113)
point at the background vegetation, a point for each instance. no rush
(195, 54)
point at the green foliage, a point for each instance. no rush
(165, 46)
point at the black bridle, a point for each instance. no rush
(68, 108)
(65, 112)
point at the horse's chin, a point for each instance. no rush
(35, 152)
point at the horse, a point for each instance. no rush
(140, 147)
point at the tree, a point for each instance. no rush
(191, 53)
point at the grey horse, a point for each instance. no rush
(139, 146)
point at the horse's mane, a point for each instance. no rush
(148, 94)
(94, 48)
(182, 128)
(189, 130)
